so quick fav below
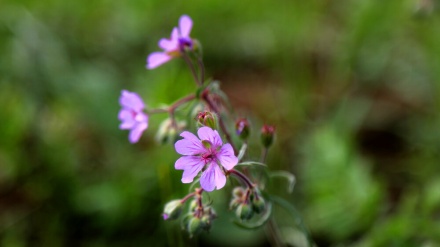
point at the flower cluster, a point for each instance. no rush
(211, 157)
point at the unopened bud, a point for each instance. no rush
(267, 134)
(206, 222)
(242, 128)
(244, 211)
(193, 205)
(210, 212)
(172, 210)
(258, 204)
(195, 225)
(207, 118)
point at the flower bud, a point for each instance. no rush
(172, 210)
(267, 134)
(210, 212)
(206, 222)
(244, 211)
(195, 225)
(207, 118)
(242, 128)
(258, 204)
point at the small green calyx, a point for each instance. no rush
(195, 226)
(258, 204)
(207, 144)
(244, 211)
(208, 119)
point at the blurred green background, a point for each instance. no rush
(352, 86)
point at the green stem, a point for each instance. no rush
(264, 154)
(202, 69)
(191, 67)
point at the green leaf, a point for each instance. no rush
(287, 175)
(252, 163)
(259, 222)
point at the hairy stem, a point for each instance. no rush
(264, 155)
(202, 70)
(183, 200)
(214, 108)
(191, 67)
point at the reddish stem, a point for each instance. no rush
(242, 177)
(205, 97)
(187, 197)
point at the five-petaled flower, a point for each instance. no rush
(206, 151)
(172, 47)
(132, 115)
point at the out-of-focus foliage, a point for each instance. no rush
(353, 87)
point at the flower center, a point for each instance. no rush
(185, 43)
(209, 156)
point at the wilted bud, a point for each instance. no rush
(244, 211)
(195, 225)
(258, 204)
(242, 128)
(167, 132)
(172, 210)
(238, 192)
(207, 118)
(267, 134)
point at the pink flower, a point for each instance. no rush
(132, 115)
(172, 47)
(206, 151)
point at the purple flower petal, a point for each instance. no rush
(212, 177)
(227, 157)
(126, 116)
(175, 36)
(156, 59)
(187, 161)
(191, 165)
(190, 145)
(127, 123)
(131, 100)
(185, 26)
(136, 132)
(167, 44)
(141, 117)
(206, 133)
